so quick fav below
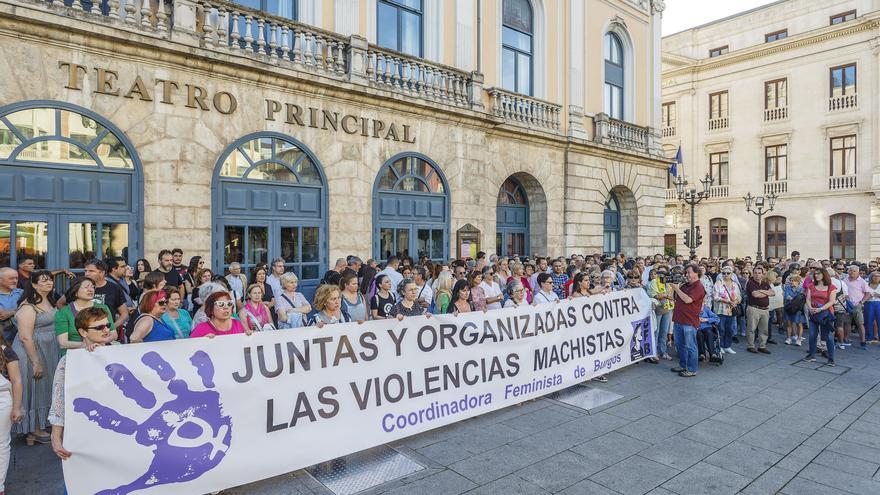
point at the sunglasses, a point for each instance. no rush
(162, 302)
(103, 326)
(224, 304)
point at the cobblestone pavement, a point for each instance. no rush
(758, 424)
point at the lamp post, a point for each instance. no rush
(760, 205)
(692, 237)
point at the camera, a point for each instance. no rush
(676, 277)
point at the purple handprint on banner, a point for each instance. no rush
(189, 434)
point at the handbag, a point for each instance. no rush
(796, 304)
(294, 318)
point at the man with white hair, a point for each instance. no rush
(9, 295)
(858, 293)
(237, 281)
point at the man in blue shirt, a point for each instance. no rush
(559, 279)
(9, 295)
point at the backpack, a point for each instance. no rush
(796, 303)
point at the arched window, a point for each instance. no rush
(511, 219)
(517, 46)
(280, 8)
(611, 226)
(270, 202)
(718, 237)
(399, 25)
(410, 209)
(843, 236)
(775, 237)
(70, 187)
(614, 76)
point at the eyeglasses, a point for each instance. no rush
(223, 304)
(162, 302)
(103, 326)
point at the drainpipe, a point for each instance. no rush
(479, 37)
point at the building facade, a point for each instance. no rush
(778, 100)
(312, 129)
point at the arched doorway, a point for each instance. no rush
(410, 209)
(70, 187)
(270, 201)
(611, 226)
(620, 222)
(512, 219)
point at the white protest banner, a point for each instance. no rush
(194, 416)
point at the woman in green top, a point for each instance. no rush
(81, 295)
(444, 291)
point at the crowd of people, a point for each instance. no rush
(702, 307)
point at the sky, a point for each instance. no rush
(684, 14)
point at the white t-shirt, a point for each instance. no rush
(543, 297)
(275, 283)
(492, 290)
(425, 292)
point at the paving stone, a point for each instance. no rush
(651, 429)
(860, 437)
(776, 439)
(548, 442)
(822, 438)
(840, 480)
(446, 452)
(687, 414)
(714, 433)
(704, 478)
(738, 415)
(631, 410)
(842, 421)
(610, 448)
(768, 403)
(446, 482)
(559, 472)
(744, 459)
(635, 475)
(678, 452)
(494, 464)
(536, 421)
(509, 485)
(798, 458)
(770, 482)
(856, 450)
(803, 486)
(488, 437)
(847, 464)
(594, 425)
(588, 487)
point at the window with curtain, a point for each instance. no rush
(775, 237)
(614, 76)
(843, 236)
(399, 25)
(776, 162)
(517, 47)
(718, 237)
(843, 156)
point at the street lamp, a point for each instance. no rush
(760, 205)
(692, 237)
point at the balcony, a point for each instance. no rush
(778, 113)
(141, 15)
(842, 102)
(842, 182)
(671, 195)
(622, 134)
(669, 131)
(524, 110)
(718, 123)
(719, 191)
(775, 187)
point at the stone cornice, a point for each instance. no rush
(867, 23)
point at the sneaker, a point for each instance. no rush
(864, 346)
(667, 357)
(701, 358)
(788, 341)
(735, 339)
(677, 369)
(846, 343)
(810, 359)
(752, 349)
(730, 350)
(841, 346)
(830, 363)
(875, 341)
(687, 374)
(800, 341)
(764, 350)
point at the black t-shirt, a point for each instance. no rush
(332, 277)
(383, 305)
(10, 356)
(172, 278)
(111, 295)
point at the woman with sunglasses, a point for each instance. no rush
(727, 297)
(149, 326)
(80, 296)
(491, 289)
(218, 309)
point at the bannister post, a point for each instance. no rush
(475, 91)
(602, 127)
(184, 28)
(357, 55)
(576, 122)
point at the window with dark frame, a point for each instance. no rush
(667, 116)
(717, 52)
(614, 76)
(718, 105)
(775, 162)
(775, 237)
(776, 35)
(399, 25)
(718, 237)
(843, 236)
(776, 94)
(718, 168)
(843, 17)
(517, 47)
(843, 155)
(843, 80)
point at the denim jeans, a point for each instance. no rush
(727, 329)
(872, 316)
(686, 344)
(827, 336)
(663, 322)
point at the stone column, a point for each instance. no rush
(465, 17)
(657, 8)
(576, 70)
(346, 14)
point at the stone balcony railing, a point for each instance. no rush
(718, 123)
(775, 187)
(841, 182)
(842, 102)
(778, 113)
(721, 191)
(524, 110)
(151, 16)
(669, 131)
(671, 195)
(623, 134)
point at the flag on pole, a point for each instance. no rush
(673, 169)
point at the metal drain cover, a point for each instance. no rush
(357, 472)
(585, 397)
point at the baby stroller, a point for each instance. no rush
(709, 345)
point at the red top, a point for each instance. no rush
(820, 297)
(689, 314)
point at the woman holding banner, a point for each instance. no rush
(580, 287)
(328, 302)
(218, 309)
(407, 305)
(517, 294)
(545, 294)
(461, 298)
